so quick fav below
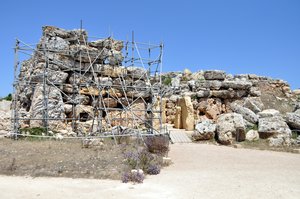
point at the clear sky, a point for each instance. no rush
(238, 36)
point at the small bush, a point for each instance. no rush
(294, 134)
(132, 159)
(137, 177)
(167, 81)
(185, 78)
(153, 169)
(34, 130)
(157, 144)
(139, 159)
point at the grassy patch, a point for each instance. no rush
(255, 128)
(263, 144)
(294, 134)
(35, 131)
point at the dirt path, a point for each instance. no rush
(200, 171)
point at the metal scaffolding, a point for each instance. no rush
(144, 88)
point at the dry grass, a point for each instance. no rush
(60, 158)
(262, 144)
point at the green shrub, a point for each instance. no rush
(8, 97)
(167, 81)
(294, 134)
(34, 130)
(255, 127)
(185, 78)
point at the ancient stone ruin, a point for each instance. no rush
(77, 87)
(231, 108)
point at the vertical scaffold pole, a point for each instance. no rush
(15, 113)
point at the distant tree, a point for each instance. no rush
(8, 97)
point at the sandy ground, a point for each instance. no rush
(199, 171)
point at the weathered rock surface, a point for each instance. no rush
(5, 116)
(254, 104)
(211, 107)
(204, 130)
(273, 127)
(237, 84)
(293, 120)
(55, 107)
(137, 72)
(187, 113)
(214, 75)
(268, 113)
(84, 112)
(230, 127)
(252, 135)
(177, 120)
(280, 140)
(245, 112)
(89, 76)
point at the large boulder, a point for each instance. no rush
(247, 114)
(293, 120)
(187, 113)
(110, 103)
(175, 82)
(254, 104)
(268, 113)
(211, 107)
(107, 70)
(70, 35)
(204, 130)
(137, 72)
(5, 115)
(236, 84)
(93, 91)
(214, 75)
(54, 43)
(279, 140)
(203, 93)
(55, 107)
(214, 84)
(105, 81)
(84, 113)
(230, 127)
(273, 127)
(52, 75)
(252, 135)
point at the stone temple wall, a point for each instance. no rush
(82, 87)
(221, 106)
(73, 85)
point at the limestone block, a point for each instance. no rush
(214, 75)
(91, 91)
(272, 127)
(204, 130)
(187, 113)
(177, 120)
(230, 127)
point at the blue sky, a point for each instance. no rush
(238, 36)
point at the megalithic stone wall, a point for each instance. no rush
(79, 85)
(214, 92)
